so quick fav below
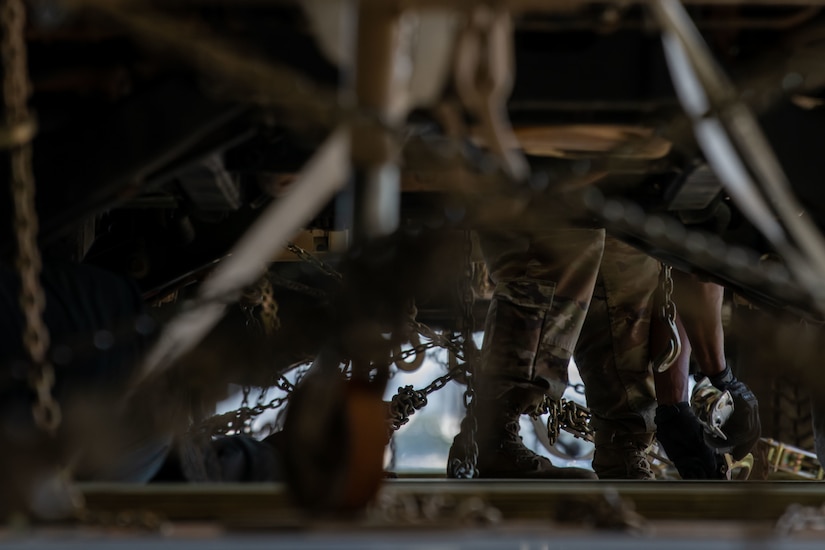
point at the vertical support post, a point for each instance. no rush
(382, 73)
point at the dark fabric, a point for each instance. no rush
(81, 301)
(680, 434)
(98, 330)
(235, 459)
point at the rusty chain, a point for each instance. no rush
(16, 136)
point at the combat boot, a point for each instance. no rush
(501, 451)
(622, 456)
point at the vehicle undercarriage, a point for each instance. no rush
(295, 188)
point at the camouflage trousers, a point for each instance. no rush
(573, 292)
(612, 352)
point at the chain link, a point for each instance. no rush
(667, 315)
(314, 261)
(799, 518)
(393, 508)
(467, 468)
(295, 286)
(235, 421)
(16, 90)
(568, 416)
(135, 520)
(668, 306)
(408, 400)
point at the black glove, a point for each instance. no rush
(680, 435)
(743, 427)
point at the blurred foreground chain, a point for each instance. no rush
(314, 261)
(567, 415)
(801, 518)
(444, 510)
(129, 520)
(16, 135)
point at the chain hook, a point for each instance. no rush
(667, 315)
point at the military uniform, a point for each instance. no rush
(540, 314)
(613, 358)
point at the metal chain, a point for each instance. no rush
(240, 419)
(468, 469)
(295, 286)
(244, 418)
(667, 315)
(408, 400)
(668, 306)
(137, 519)
(235, 421)
(314, 261)
(269, 308)
(16, 136)
(423, 330)
(568, 416)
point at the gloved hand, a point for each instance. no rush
(680, 435)
(743, 428)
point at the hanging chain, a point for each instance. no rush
(295, 286)
(269, 308)
(240, 419)
(16, 137)
(408, 400)
(260, 296)
(668, 307)
(667, 315)
(244, 419)
(568, 416)
(467, 468)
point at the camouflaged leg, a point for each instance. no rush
(543, 288)
(530, 330)
(612, 353)
(512, 332)
(571, 258)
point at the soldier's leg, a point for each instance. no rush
(612, 355)
(542, 289)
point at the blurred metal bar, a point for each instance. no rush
(268, 505)
(313, 188)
